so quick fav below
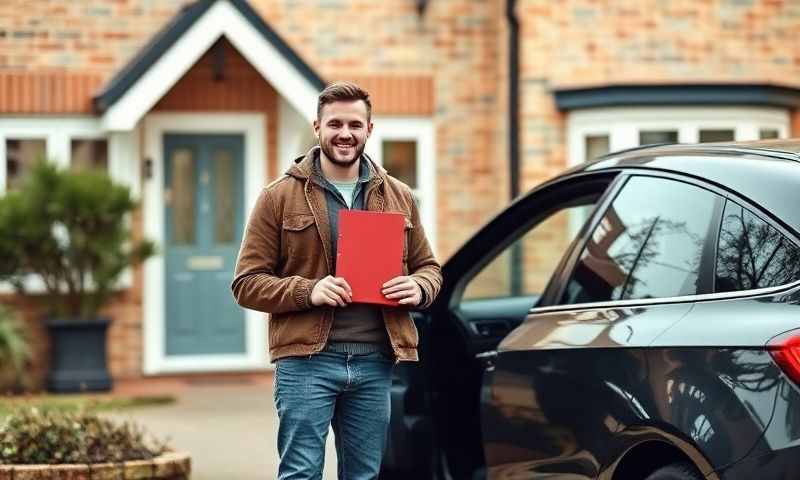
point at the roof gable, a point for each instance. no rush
(174, 49)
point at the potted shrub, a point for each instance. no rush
(42, 443)
(68, 229)
(15, 353)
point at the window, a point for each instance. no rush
(657, 136)
(525, 267)
(89, 154)
(596, 146)
(717, 135)
(649, 244)
(768, 134)
(66, 141)
(752, 254)
(21, 155)
(404, 146)
(182, 195)
(400, 158)
(590, 131)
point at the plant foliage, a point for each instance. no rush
(70, 229)
(15, 351)
(40, 436)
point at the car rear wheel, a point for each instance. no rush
(676, 471)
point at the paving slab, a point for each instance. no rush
(229, 427)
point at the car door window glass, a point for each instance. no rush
(649, 244)
(525, 267)
(752, 254)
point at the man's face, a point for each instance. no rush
(342, 130)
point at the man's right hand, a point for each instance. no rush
(333, 291)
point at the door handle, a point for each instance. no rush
(490, 328)
(487, 359)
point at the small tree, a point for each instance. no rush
(69, 229)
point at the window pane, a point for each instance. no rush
(768, 133)
(183, 193)
(716, 136)
(400, 160)
(752, 254)
(596, 146)
(658, 136)
(21, 155)
(224, 195)
(89, 155)
(648, 244)
(539, 252)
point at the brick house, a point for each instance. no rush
(197, 105)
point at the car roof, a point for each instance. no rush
(766, 173)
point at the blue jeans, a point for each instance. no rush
(349, 392)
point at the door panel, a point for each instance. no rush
(559, 386)
(511, 258)
(204, 213)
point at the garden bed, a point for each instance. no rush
(168, 466)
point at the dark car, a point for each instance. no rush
(637, 317)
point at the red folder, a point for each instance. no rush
(369, 253)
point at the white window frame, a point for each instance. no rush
(58, 132)
(623, 124)
(421, 131)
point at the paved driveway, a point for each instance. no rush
(229, 428)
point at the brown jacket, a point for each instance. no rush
(286, 250)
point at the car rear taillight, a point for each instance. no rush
(785, 349)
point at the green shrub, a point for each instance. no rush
(15, 353)
(40, 436)
(69, 228)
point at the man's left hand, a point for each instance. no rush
(404, 289)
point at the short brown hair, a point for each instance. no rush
(343, 92)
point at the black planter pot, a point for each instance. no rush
(78, 355)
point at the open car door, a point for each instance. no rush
(489, 286)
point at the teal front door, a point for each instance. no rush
(204, 214)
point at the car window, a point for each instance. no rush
(649, 243)
(753, 254)
(539, 250)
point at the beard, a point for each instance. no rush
(330, 153)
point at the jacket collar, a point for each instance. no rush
(304, 167)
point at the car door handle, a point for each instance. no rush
(490, 328)
(487, 359)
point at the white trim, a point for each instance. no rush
(222, 18)
(419, 129)
(623, 124)
(296, 135)
(253, 126)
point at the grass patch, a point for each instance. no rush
(82, 402)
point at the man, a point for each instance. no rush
(333, 358)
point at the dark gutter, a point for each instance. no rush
(690, 94)
(513, 96)
(513, 135)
